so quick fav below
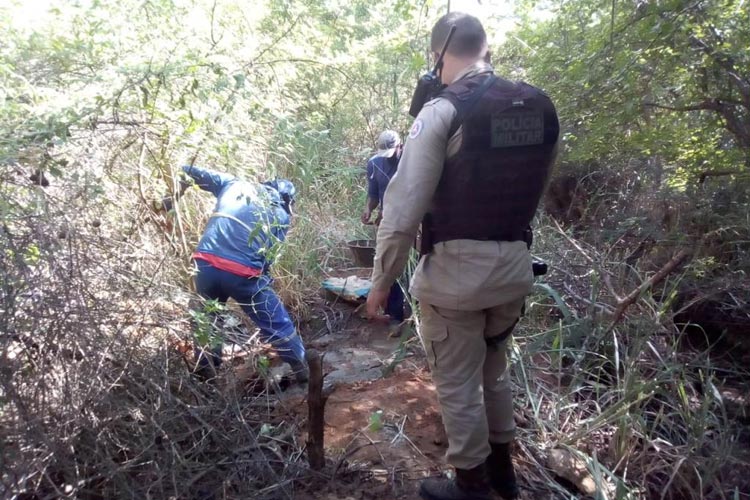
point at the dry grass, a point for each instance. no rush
(645, 411)
(96, 399)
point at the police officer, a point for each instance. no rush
(472, 173)
(234, 255)
(380, 169)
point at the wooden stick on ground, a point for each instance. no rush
(316, 402)
(633, 296)
(622, 303)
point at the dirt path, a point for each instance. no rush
(383, 422)
(383, 431)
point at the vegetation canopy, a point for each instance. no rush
(631, 362)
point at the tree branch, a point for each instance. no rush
(633, 296)
(274, 43)
(715, 173)
(734, 124)
(742, 85)
(707, 105)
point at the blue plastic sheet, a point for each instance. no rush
(350, 288)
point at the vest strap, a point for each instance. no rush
(463, 107)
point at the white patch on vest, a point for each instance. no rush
(416, 129)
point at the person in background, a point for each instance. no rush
(234, 255)
(380, 169)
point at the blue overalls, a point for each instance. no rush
(234, 255)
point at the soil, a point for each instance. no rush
(373, 368)
(383, 429)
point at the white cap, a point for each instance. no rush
(387, 143)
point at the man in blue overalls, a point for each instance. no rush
(235, 252)
(380, 169)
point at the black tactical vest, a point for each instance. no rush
(490, 188)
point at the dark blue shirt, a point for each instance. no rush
(380, 170)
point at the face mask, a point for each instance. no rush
(429, 85)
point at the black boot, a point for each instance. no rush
(470, 484)
(207, 362)
(302, 375)
(500, 471)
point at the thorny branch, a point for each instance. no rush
(622, 303)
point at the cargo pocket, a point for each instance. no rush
(434, 333)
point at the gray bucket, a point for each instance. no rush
(363, 252)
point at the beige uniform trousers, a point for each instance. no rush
(471, 378)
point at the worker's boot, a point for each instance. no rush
(470, 484)
(500, 471)
(300, 371)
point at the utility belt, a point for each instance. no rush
(428, 240)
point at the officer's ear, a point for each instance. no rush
(488, 57)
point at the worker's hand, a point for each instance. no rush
(376, 300)
(379, 219)
(366, 217)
